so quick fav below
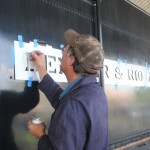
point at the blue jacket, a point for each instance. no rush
(80, 120)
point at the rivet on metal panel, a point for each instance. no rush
(69, 9)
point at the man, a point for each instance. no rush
(80, 120)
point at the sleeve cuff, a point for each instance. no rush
(44, 143)
(45, 81)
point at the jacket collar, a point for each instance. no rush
(87, 80)
(83, 81)
(70, 86)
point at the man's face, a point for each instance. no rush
(64, 60)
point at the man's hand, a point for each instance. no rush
(36, 130)
(39, 62)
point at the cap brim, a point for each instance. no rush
(70, 36)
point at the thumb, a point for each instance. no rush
(34, 55)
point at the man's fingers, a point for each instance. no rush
(34, 55)
(29, 122)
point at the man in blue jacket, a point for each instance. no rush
(80, 120)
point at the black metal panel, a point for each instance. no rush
(125, 46)
(126, 31)
(45, 20)
(126, 36)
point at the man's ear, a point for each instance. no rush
(71, 60)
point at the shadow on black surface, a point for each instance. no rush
(11, 104)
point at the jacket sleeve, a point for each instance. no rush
(67, 129)
(45, 144)
(51, 89)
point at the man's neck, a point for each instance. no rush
(71, 77)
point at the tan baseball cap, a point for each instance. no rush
(87, 49)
